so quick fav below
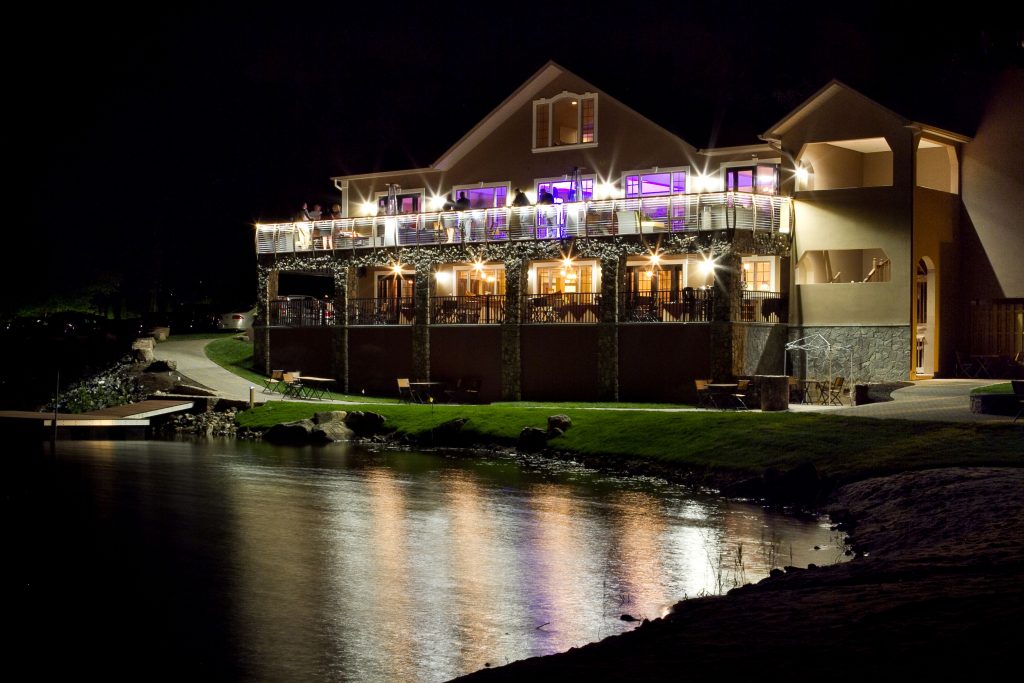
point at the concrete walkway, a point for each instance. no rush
(943, 400)
(193, 363)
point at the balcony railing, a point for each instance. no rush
(381, 311)
(688, 305)
(561, 308)
(670, 214)
(685, 306)
(764, 307)
(467, 310)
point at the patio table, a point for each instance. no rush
(314, 387)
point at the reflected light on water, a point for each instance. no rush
(334, 563)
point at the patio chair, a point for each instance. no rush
(271, 383)
(835, 392)
(739, 398)
(796, 391)
(704, 397)
(292, 384)
(406, 394)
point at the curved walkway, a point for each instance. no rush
(943, 400)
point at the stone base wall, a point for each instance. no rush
(758, 349)
(879, 353)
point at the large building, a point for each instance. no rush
(631, 263)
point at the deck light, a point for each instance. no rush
(397, 269)
(655, 260)
(567, 262)
(437, 203)
(370, 208)
(802, 175)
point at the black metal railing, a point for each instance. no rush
(561, 308)
(381, 311)
(301, 312)
(680, 306)
(484, 309)
(764, 307)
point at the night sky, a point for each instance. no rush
(147, 142)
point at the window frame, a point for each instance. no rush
(416, 191)
(654, 170)
(724, 168)
(562, 179)
(549, 103)
(484, 185)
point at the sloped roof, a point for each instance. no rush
(830, 90)
(527, 92)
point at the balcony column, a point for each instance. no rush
(424, 290)
(516, 283)
(613, 282)
(261, 326)
(726, 309)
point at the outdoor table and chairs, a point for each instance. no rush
(315, 387)
(813, 390)
(425, 391)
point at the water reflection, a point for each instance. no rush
(246, 560)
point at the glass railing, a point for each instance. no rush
(670, 214)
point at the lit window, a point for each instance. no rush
(655, 184)
(563, 191)
(565, 120)
(483, 197)
(761, 179)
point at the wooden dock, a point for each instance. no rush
(127, 421)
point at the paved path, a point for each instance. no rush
(944, 400)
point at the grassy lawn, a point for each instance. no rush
(1001, 388)
(235, 355)
(844, 447)
(847, 448)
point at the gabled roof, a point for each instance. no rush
(527, 92)
(833, 88)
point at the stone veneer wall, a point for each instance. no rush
(758, 348)
(880, 353)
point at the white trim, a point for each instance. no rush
(740, 149)
(342, 187)
(383, 174)
(562, 148)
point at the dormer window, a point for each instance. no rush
(566, 120)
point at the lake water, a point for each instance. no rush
(239, 560)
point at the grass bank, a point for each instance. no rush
(999, 388)
(843, 448)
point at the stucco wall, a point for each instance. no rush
(869, 218)
(993, 195)
(879, 353)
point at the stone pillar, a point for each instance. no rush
(774, 391)
(261, 326)
(516, 279)
(423, 291)
(343, 277)
(725, 309)
(613, 280)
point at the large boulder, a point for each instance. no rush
(532, 440)
(561, 422)
(329, 417)
(142, 350)
(162, 366)
(449, 432)
(329, 432)
(364, 423)
(299, 431)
